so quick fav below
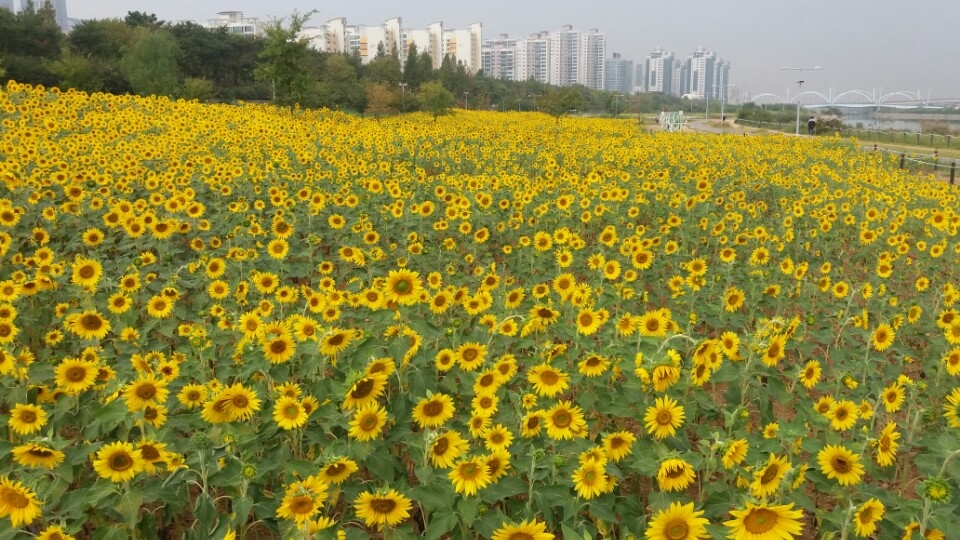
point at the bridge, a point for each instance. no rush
(854, 99)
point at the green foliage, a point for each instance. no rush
(339, 85)
(27, 39)
(76, 71)
(139, 18)
(150, 64)
(197, 88)
(435, 99)
(557, 103)
(380, 99)
(282, 59)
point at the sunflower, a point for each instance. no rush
(547, 380)
(289, 413)
(338, 471)
(675, 475)
(776, 349)
(762, 522)
(280, 348)
(303, 500)
(446, 448)
(192, 395)
(678, 522)
(664, 417)
(893, 397)
(498, 463)
(74, 376)
(952, 362)
(867, 516)
(445, 359)
(239, 402)
(403, 287)
(532, 424)
(56, 532)
(441, 302)
(118, 461)
(385, 508)
(838, 462)
(36, 455)
(278, 248)
(951, 408)
(564, 421)
(588, 322)
(810, 375)
(618, 445)
(18, 503)
(525, 530)
(433, 411)
(766, 481)
(882, 337)
(590, 479)
(88, 325)
(367, 422)
(159, 307)
(733, 299)
(497, 438)
(471, 355)
(26, 418)
(654, 324)
(86, 273)
(365, 391)
(735, 453)
(470, 475)
(843, 415)
(335, 341)
(146, 390)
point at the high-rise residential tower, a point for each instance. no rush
(658, 72)
(618, 75)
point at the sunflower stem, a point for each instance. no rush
(533, 468)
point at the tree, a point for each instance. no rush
(101, 44)
(75, 71)
(139, 18)
(411, 67)
(560, 102)
(150, 64)
(339, 85)
(434, 98)
(380, 99)
(384, 69)
(28, 42)
(281, 62)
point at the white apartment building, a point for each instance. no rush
(533, 58)
(564, 56)
(236, 23)
(465, 46)
(592, 62)
(618, 75)
(499, 58)
(707, 77)
(659, 72)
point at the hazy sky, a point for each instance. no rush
(860, 44)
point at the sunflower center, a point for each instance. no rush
(87, 272)
(676, 529)
(27, 416)
(841, 465)
(120, 462)
(240, 401)
(362, 389)
(291, 411)
(151, 413)
(841, 414)
(336, 469)
(146, 391)
(544, 313)
(586, 319)
(149, 452)
(383, 506)
(40, 452)
(14, 499)
(769, 474)
(664, 418)
(470, 471)
(885, 443)
(335, 340)
(76, 374)
(368, 422)
(91, 322)
(433, 408)
(562, 419)
(470, 354)
(549, 377)
(652, 325)
(866, 515)
(302, 504)
(760, 520)
(278, 346)
(675, 472)
(402, 286)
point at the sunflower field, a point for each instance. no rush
(241, 321)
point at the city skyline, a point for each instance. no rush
(860, 44)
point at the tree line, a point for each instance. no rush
(140, 54)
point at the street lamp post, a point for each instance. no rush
(403, 97)
(466, 104)
(800, 85)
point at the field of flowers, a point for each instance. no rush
(249, 322)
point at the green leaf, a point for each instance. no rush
(434, 496)
(441, 523)
(503, 489)
(382, 465)
(467, 509)
(106, 418)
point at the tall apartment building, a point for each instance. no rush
(706, 76)
(658, 73)
(564, 56)
(499, 58)
(59, 9)
(236, 23)
(465, 46)
(592, 63)
(533, 58)
(429, 40)
(618, 75)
